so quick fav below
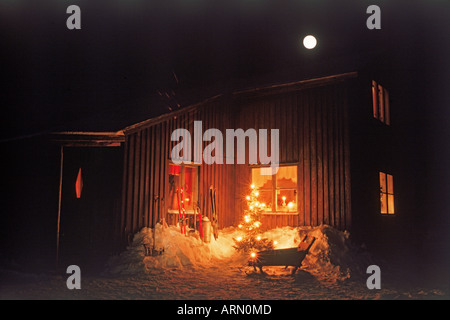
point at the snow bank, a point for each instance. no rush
(332, 257)
(179, 251)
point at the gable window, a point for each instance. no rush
(279, 191)
(380, 103)
(183, 178)
(386, 194)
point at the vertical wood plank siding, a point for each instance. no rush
(313, 126)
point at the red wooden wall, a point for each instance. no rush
(313, 128)
(313, 125)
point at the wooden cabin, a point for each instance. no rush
(331, 170)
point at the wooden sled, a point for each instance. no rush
(283, 257)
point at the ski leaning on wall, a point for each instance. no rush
(214, 220)
(181, 211)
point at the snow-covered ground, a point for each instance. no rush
(190, 269)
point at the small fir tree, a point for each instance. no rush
(252, 240)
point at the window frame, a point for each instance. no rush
(182, 182)
(274, 189)
(388, 192)
(380, 103)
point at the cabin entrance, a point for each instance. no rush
(90, 205)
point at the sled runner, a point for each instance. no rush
(283, 257)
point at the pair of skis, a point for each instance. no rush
(181, 211)
(214, 221)
(182, 214)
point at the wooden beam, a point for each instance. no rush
(89, 139)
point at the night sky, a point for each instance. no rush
(108, 74)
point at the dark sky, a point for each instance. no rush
(108, 74)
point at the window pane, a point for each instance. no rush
(174, 183)
(287, 177)
(375, 99)
(391, 204)
(265, 197)
(264, 184)
(261, 181)
(383, 182)
(190, 187)
(390, 184)
(383, 203)
(287, 200)
(285, 197)
(286, 184)
(386, 107)
(381, 103)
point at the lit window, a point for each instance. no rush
(386, 193)
(279, 191)
(187, 177)
(380, 103)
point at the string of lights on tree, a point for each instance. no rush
(251, 239)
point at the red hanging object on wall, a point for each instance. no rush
(79, 184)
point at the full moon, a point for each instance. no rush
(309, 42)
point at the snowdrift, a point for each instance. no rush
(331, 258)
(179, 251)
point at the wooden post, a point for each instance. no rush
(59, 203)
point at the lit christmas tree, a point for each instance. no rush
(252, 240)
